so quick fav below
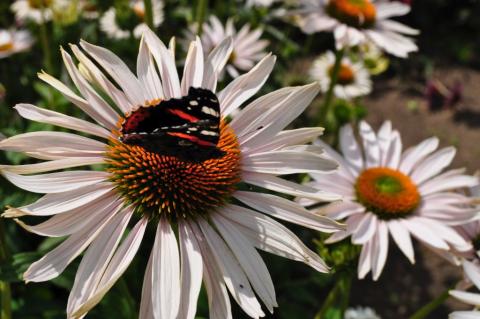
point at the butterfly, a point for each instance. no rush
(187, 127)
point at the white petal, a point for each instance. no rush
(465, 315)
(424, 233)
(118, 70)
(402, 238)
(56, 182)
(370, 145)
(287, 187)
(473, 273)
(33, 113)
(391, 9)
(286, 162)
(96, 260)
(341, 210)
(366, 229)
(57, 203)
(345, 169)
(249, 259)
(394, 152)
(166, 272)
(53, 165)
(166, 64)
(245, 86)
(447, 181)
(433, 164)
(53, 263)
(365, 261)
(287, 210)
(193, 70)
(379, 256)
(350, 148)
(215, 63)
(191, 271)
(412, 156)
(146, 305)
(467, 297)
(147, 74)
(271, 236)
(117, 266)
(233, 274)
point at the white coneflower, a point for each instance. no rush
(171, 159)
(34, 10)
(110, 25)
(353, 78)
(14, 41)
(248, 47)
(387, 192)
(355, 21)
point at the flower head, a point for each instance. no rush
(248, 48)
(353, 79)
(14, 41)
(357, 21)
(389, 192)
(472, 272)
(117, 23)
(171, 158)
(33, 10)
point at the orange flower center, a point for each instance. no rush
(164, 184)
(387, 192)
(356, 13)
(345, 75)
(7, 46)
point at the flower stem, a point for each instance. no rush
(327, 103)
(431, 306)
(47, 55)
(337, 300)
(149, 13)
(5, 295)
(201, 11)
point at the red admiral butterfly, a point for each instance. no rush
(188, 127)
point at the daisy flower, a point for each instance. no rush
(472, 272)
(355, 21)
(260, 3)
(172, 160)
(248, 48)
(353, 78)
(112, 24)
(89, 10)
(32, 10)
(14, 41)
(387, 191)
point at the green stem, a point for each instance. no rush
(327, 103)
(47, 55)
(430, 307)
(149, 13)
(201, 11)
(337, 300)
(5, 294)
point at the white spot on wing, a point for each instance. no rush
(210, 133)
(209, 110)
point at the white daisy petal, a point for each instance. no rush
(412, 156)
(216, 62)
(350, 148)
(193, 70)
(147, 74)
(166, 272)
(365, 260)
(379, 256)
(402, 238)
(146, 305)
(433, 164)
(370, 144)
(466, 297)
(465, 315)
(53, 165)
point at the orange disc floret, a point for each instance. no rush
(387, 192)
(345, 74)
(160, 184)
(357, 13)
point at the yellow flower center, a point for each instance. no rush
(345, 74)
(356, 13)
(7, 46)
(165, 184)
(387, 192)
(38, 4)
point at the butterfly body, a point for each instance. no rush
(187, 127)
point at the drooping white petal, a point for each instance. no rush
(271, 236)
(281, 185)
(245, 86)
(464, 314)
(412, 156)
(147, 74)
(117, 266)
(402, 238)
(53, 165)
(472, 271)
(216, 62)
(56, 182)
(370, 145)
(146, 304)
(350, 148)
(424, 233)
(53, 263)
(233, 274)
(191, 271)
(95, 261)
(249, 259)
(366, 229)
(287, 138)
(193, 70)
(33, 113)
(466, 297)
(365, 260)
(449, 180)
(287, 210)
(341, 210)
(166, 272)
(380, 250)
